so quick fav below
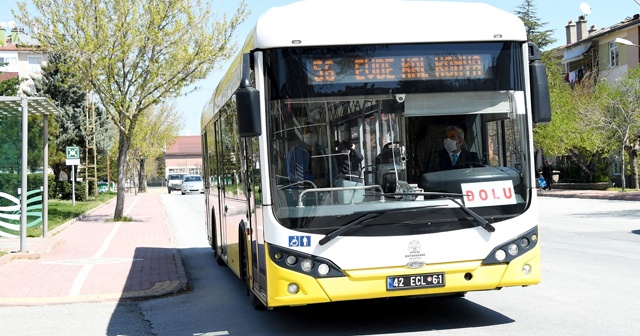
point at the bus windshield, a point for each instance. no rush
(379, 128)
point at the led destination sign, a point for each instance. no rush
(394, 68)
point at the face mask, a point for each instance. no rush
(309, 138)
(450, 145)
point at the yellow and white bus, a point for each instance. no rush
(322, 152)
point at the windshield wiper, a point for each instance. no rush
(333, 234)
(365, 217)
(450, 196)
(481, 221)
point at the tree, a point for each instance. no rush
(68, 93)
(10, 87)
(569, 134)
(614, 109)
(535, 32)
(134, 53)
(159, 128)
(10, 129)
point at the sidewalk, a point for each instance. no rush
(593, 194)
(92, 259)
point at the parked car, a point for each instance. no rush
(192, 183)
(174, 181)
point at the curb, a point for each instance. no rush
(591, 194)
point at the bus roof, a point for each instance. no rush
(348, 22)
(353, 22)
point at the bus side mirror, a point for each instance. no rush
(540, 101)
(248, 103)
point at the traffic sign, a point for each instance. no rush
(73, 155)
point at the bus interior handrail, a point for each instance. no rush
(317, 190)
(296, 183)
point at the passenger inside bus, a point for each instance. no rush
(307, 160)
(454, 154)
(390, 154)
(349, 160)
(389, 166)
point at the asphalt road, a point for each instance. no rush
(590, 259)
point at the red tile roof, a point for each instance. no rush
(7, 75)
(186, 145)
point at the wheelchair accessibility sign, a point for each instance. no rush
(299, 241)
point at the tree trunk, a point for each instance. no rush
(623, 169)
(123, 149)
(576, 159)
(633, 163)
(142, 187)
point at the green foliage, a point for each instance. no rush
(535, 29)
(10, 143)
(62, 190)
(134, 54)
(62, 211)
(571, 133)
(614, 109)
(11, 86)
(67, 91)
(11, 131)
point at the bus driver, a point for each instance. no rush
(453, 155)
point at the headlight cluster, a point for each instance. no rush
(304, 263)
(513, 249)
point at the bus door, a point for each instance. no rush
(255, 221)
(206, 175)
(219, 227)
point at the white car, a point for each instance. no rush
(192, 183)
(174, 181)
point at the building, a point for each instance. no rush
(607, 53)
(611, 51)
(184, 156)
(20, 55)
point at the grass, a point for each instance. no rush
(625, 190)
(61, 212)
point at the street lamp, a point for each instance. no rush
(625, 42)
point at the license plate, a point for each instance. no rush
(415, 281)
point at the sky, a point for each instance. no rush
(555, 13)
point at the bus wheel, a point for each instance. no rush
(256, 304)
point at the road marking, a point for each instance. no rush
(86, 269)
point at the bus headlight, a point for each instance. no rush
(307, 265)
(304, 263)
(516, 247)
(323, 269)
(500, 255)
(526, 269)
(291, 260)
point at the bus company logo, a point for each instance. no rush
(414, 250)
